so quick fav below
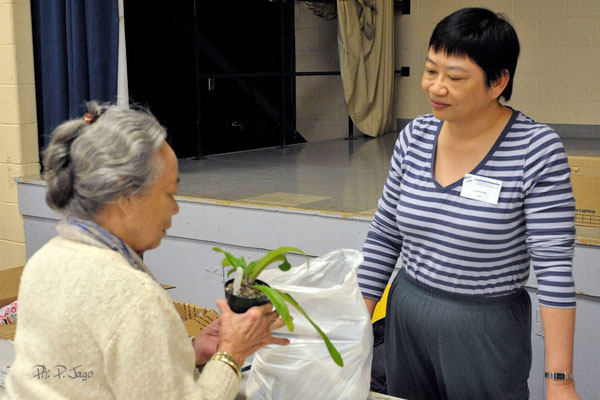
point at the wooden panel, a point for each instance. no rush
(9, 285)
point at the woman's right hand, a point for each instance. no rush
(243, 334)
(371, 304)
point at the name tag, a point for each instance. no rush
(481, 188)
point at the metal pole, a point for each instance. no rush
(282, 114)
(292, 68)
(199, 147)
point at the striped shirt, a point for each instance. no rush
(473, 247)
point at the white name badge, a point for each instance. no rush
(481, 188)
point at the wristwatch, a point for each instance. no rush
(558, 376)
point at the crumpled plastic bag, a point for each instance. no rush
(328, 291)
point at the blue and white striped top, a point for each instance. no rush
(469, 246)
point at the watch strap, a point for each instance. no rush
(558, 376)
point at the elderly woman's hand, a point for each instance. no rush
(243, 334)
(207, 342)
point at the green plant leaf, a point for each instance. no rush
(250, 267)
(230, 260)
(278, 300)
(285, 265)
(272, 256)
(256, 267)
(337, 358)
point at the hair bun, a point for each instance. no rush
(60, 187)
(58, 167)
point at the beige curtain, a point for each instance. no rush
(366, 48)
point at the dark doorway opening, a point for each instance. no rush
(236, 93)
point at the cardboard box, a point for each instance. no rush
(7, 332)
(195, 318)
(585, 175)
(9, 285)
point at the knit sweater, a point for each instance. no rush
(92, 327)
(461, 245)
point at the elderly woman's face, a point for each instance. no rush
(149, 216)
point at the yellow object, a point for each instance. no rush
(229, 360)
(380, 307)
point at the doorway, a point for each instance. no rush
(218, 75)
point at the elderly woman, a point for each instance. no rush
(93, 321)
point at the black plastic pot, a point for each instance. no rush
(240, 304)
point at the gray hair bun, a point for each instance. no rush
(58, 168)
(94, 160)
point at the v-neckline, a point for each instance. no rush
(494, 147)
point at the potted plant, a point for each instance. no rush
(250, 287)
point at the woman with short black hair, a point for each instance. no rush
(476, 193)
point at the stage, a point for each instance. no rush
(316, 196)
(338, 176)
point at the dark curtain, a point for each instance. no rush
(75, 53)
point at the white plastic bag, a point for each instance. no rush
(328, 291)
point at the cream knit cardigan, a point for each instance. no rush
(91, 327)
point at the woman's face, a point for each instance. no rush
(149, 215)
(456, 87)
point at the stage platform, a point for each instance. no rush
(338, 176)
(341, 176)
(316, 196)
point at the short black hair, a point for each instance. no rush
(485, 37)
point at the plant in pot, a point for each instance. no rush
(247, 291)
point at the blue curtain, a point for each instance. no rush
(75, 53)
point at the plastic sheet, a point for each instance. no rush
(328, 291)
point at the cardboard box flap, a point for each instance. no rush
(585, 176)
(195, 318)
(8, 331)
(9, 285)
(584, 161)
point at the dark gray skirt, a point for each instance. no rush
(441, 345)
